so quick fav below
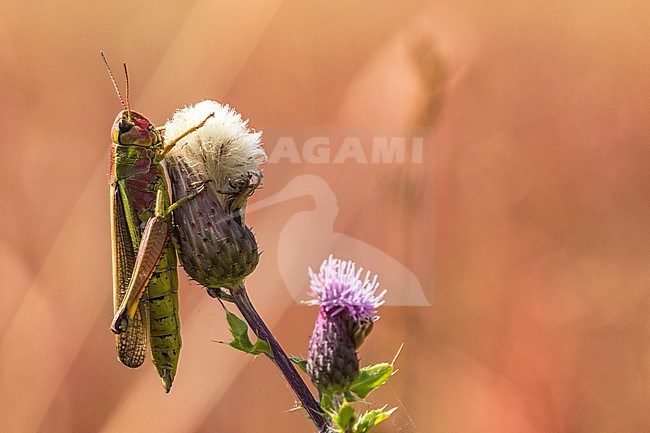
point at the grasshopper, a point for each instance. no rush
(145, 278)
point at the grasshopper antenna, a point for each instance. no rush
(126, 74)
(117, 89)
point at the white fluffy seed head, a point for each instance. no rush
(223, 150)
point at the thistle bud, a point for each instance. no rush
(213, 171)
(347, 312)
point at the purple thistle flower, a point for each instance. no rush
(345, 318)
(337, 287)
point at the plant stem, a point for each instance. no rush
(279, 358)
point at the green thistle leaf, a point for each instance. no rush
(326, 404)
(349, 397)
(238, 327)
(371, 419)
(344, 418)
(260, 347)
(300, 362)
(239, 331)
(370, 378)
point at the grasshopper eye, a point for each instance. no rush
(125, 126)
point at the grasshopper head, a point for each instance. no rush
(133, 129)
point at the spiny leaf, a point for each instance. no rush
(240, 345)
(238, 327)
(239, 331)
(326, 404)
(370, 378)
(300, 362)
(349, 397)
(260, 347)
(371, 419)
(344, 418)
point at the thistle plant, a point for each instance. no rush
(212, 173)
(220, 164)
(347, 307)
(346, 314)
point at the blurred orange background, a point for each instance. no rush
(526, 223)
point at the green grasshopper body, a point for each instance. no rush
(145, 279)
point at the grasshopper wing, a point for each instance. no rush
(132, 344)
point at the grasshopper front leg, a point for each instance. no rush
(169, 146)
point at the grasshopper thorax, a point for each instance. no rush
(133, 129)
